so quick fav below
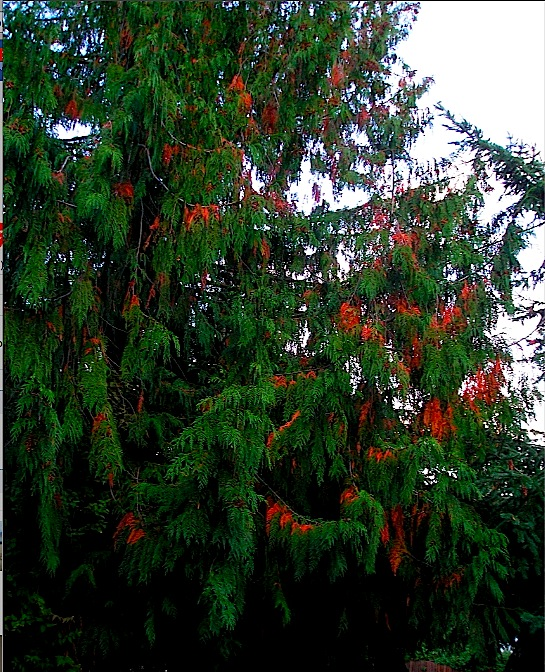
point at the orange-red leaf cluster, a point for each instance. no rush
(372, 65)
(450, 314)
(124, 190)
(484, 386)
(468, 291)
(131, 299)
(280, 204)
(279, 381)
(398, 548)
(286, 519)
(93, 342)
(367, 332)
(200, 211)
(97, 421)
(450, 580)
(245, 102)
(439, 421)
(290, 422)
(396, 554)
(265, 249)
(401, 238)
(237, 84)
(385, 530)
(365, 413)
(125, 38)
(381, 218)
(168, 152)
(450, 319)
(337, 74)
(413, 354)
(135, 533)
(269, 117)
(140, 404)
(72, 110)
(371, 333)
(363, 118)
(349, 317)
(349, 495)
(380, 455)
(397, 518)
(403, 307)
(151, 295)
(272, 510)
(418, 514)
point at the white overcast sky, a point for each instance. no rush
(488, 63)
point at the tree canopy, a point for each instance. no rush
(246, 424)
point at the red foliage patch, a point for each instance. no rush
(286, 519)
(349, 495)
(72, 111)
(269, 118)
(136, 532)
(438, 420)
(401, 238)
(467, 291)
(365, 413)
(484, 386)
(385, 533)
(290, 422)
(168, 152)
(337, 74)
(279, 381)
(58, 177)
(349, 317)
(97, 421)
(124, 190)
(201, 212)
(363, 118)
(405, 309)
(245, 102)
(237, 84)
(413, 354)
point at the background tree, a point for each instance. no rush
(512, 483)
(238, 424)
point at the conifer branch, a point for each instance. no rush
(283, 501)
(151, 168)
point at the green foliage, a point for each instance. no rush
(238, 421)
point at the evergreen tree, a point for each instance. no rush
(242, 428)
